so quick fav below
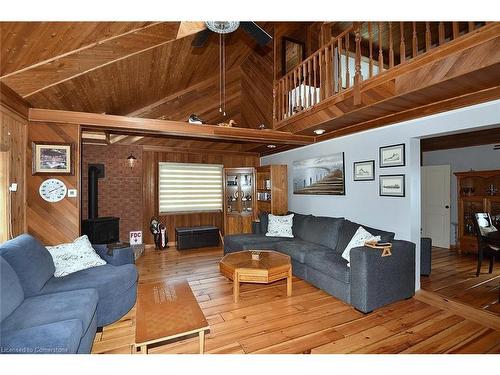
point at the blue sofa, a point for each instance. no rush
(370, 282)
(40, 313)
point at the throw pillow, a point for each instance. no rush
(280, 226)
(359, 239)
(75, 256)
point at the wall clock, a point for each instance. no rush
(52, 190)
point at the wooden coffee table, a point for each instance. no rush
(271, 267)
(165, 311)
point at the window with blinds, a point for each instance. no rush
(188, 187)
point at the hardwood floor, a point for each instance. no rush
(267, 321)
(453, 276)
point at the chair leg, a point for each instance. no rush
(479, 261)
(492, 262)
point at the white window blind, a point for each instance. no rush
(188, 187)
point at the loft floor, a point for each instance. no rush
(311, 321)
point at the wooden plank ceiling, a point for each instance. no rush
(141, 69)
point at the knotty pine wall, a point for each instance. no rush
(13, 133)
(53, 223)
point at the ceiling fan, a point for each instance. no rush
(496, 147)
(226, 27)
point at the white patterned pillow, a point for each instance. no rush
(75, 256)
(359, 239)
(280, 226)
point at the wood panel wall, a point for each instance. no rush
(13, 133)
(150, 187)
(53, 223)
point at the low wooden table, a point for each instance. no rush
(165, 311)
(272, 266)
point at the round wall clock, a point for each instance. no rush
(52, 190)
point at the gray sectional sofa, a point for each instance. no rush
(40, 313)
(370, 282)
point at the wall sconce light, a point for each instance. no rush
(131, 160)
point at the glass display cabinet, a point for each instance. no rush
(239, 200)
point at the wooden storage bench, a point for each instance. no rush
(191, 237)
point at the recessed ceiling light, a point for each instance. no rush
(271, 146)
(319, 131)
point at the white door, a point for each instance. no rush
(436, 204)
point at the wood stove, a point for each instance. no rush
(100, 230)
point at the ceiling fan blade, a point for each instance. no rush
(256, 32)
(496, 147)
(200, 39)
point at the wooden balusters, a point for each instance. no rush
(402, 47)
(339, 63)
(441, 33)
(455, 30)
(414, 44)
(428, 37)
(380, 50)
(357, 74)
(391, 49)
(329, 72)
(309, 83)
(321, 75)
(370, 48)
(315, 73)
(347, 76)
(471, 26)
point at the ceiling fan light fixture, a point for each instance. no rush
(222, 27)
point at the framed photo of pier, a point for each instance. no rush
(392, 156)
(392, 185)
(323, 175)
(364, 170)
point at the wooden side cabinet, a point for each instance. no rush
(476, 193)
(272, 189)
(239, 200)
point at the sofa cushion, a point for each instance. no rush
(322, 230)
(297, 249)
(53, 338)
(107, 280)
(11, 291)
(280, 226)
(30, 260)
(264, 221)
(238, 242)
(299, 226)
(348, 230)
(49, 308)
(330, 263)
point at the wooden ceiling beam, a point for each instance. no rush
(38, 77)
(469, 139)
(145, 126)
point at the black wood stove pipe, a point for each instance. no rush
(93, 192)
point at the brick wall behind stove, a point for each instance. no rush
(120, 191)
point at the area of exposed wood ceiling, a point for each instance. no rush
(141, 69)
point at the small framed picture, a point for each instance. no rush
(392, 185)
(392, 156)
(52, 158)
(364, 170)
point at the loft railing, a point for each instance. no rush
(360, 52)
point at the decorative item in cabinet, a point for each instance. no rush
(477, 192)
(239, 192)
(272, 189)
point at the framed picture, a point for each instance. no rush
(392, 156)
(323, 175)
(364, 170)
(293, 53)
(52, 158)
(392, 185)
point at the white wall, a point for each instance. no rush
(461, 160)
(362, 202)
